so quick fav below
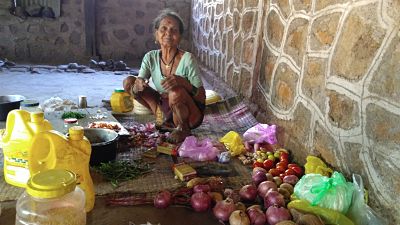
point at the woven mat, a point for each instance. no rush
(220, 118)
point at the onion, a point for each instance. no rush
(200, 201)
(202, 188)
(255, 169)
(270, 177)
(258, 176)
(248, 193)
(223, 209)
(240, 206)
(239, 217)
(273, 198)
(264, 187)
(288, 187)
(256, 215)
(162, 199)
(276, 214)
(277, 180)
(290, 179)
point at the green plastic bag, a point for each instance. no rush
(332, 193)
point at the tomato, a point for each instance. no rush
(282, 164)
(292, 165)
(268, 164)
(284, 156)
(281, 169)
(298, 170)
(258, 164)
(290, 171)
(274, 172)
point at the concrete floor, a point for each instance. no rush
(96, 86)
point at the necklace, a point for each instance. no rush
(171, 62)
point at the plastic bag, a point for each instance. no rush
(359, 211)
(261, 133)
(332, 193)
(316, 165)
(199, 150)
(233, 142)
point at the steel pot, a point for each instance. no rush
(8, 103)
(104, 144)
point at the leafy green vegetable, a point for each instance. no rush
(70, 114)
(119, 171)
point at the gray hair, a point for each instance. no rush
(168, 13)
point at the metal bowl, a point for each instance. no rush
(8, 103)
(104, 144)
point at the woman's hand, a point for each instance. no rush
(140, 85)
(173, 81)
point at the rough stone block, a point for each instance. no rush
(274, 29)
(248, 51)
(285, 84)
(247, 22)
(295, 45)
(324, 30)
(302, 5)
(325, 146)
(386, 79)
(267, 66)
(382, 126)
(343, 111)
(358, 44)
(313, 85)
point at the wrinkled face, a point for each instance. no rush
(168, 32)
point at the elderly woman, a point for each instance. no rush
(179, 95)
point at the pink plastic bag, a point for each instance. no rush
(199, 150)
(261, 133)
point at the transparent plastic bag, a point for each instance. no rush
(360, 213)
(233, 142)
(332, 193)
(199, 150)
(261, 133)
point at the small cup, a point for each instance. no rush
(82, 101)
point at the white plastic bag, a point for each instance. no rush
(359, 212)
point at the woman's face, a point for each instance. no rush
(167, 33)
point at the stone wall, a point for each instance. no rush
(326, 72)
(43, 40)
(99, 29)
(125, 29)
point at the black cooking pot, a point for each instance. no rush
(8, 103)
(104, 145)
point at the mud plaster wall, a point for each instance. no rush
(123, 31)
(326, 72)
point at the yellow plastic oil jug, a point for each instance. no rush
(21, 127)
(121, 101)
(53, 150)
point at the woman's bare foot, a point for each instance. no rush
(178, 135)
